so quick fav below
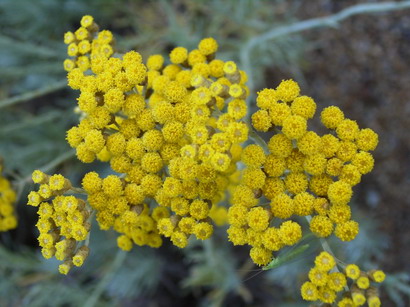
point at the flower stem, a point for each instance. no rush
(33, 94)
(326, 248)
(320, 22)
(98, 291)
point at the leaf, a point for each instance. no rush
(283, 259)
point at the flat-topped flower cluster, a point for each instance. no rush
(173, 132)
(297, 173)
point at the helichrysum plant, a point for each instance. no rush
(173, 132)
(8, 219)
(357, 287)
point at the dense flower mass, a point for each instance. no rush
(8, 218)
(328, 285)
(63, 221)
(297, 173)
(172, 130)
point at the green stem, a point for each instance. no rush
(326, 248)
(46, 168)
(208, 244)
(34, 121)
(33, 94)
(43, 68)
(50, 166)
(257, 138)
(323, 242)
(90, 218)
(60, 159)
(116, 264)
(29, 48)
(78, 190)
(328, 21)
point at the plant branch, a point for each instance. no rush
(51, 165)
(33, 94)
(95, 296)
(326, 248)
(329, 21)
(21, 183)
(28, 48)
(33, 121)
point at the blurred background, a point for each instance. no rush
(361, 65)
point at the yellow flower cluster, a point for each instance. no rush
(173, 131)
(63, 221)
(303, 174)
(83, 43)
(327, 284)
(250, 224)
(297, 176)
(8, 219)
(119, 204)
